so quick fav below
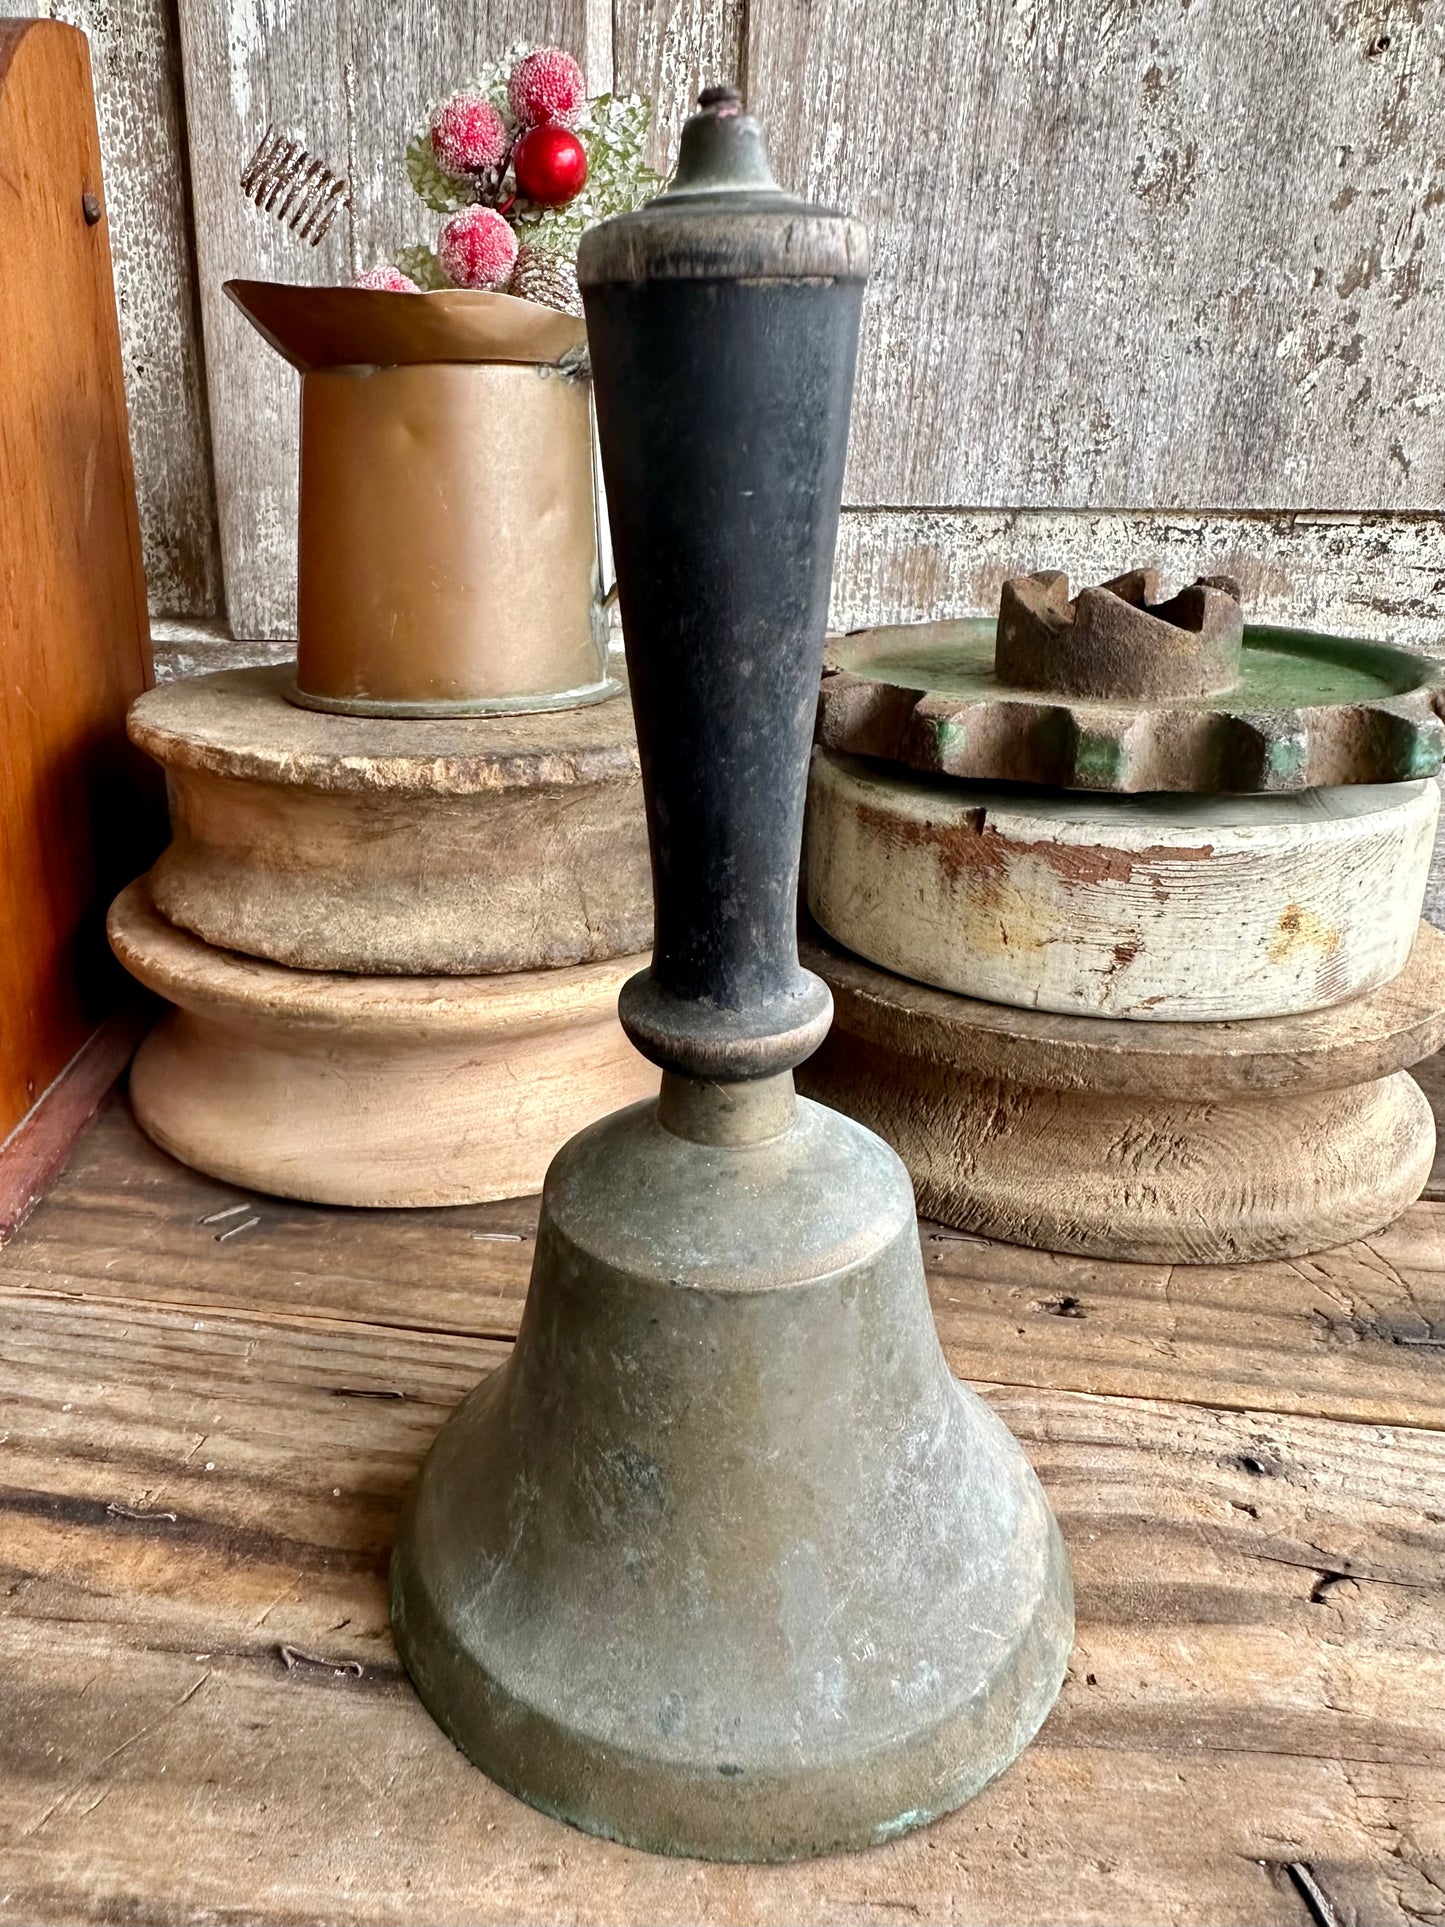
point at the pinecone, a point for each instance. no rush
(546, 276)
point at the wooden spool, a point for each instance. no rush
(457, 847)
(1193, 909)
(370, 1091)
(1169, 1143)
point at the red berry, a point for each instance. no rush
(546, 85)
(387, 280)
(468, 135)
(477, 249)
(551, 165)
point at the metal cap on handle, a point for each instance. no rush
(723, 321)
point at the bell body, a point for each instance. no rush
(724, 1561)
(447, 559)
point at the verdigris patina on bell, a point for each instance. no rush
(724, 1561)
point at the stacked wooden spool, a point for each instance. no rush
(1123, 928)
(407, 879)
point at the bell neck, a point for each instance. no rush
(704, 1112)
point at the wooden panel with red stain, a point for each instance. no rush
(78, 813)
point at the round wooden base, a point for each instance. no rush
(1170, 1143)
(1193, 909)
(412, 848)
(370, 1091)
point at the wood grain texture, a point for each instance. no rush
(1376, 576)
(1220, 1181)
(198, 1511)
(135, 58)
(1184, 908)
(1354, 1333)
(1162, 1142)
(670, 50)
(373, 1091)
(963, 367)
(479, 844)
(350, 82)
(1116, 261)
(75, 803)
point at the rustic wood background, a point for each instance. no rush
(1154, 277)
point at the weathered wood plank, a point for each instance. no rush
(191, 647)
(245, 70)
(237, 1791)
(1258, 1680)
(135, 60)
(1377, 576)
(124, 1220)
(1355, 1333)
(1130, 254)
(77, 804)
(1381, 573)
(669, 50)
(349, 82)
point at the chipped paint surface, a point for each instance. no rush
(1377, 576)
(1300, 929)
(1166, 908)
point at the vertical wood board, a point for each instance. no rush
(669, 50)
(1167, 252)
(135, 56)
(73, 644)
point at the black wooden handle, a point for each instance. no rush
(722, 411)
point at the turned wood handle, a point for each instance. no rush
(723, 328)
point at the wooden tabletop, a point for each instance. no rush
(211, 1405)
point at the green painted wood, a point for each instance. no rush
(1308, 710)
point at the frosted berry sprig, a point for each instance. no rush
(468, 134)
(546, 85)
(386, 280)
(524, 144)
(477, 249)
